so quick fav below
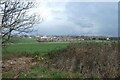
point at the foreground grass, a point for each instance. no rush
(40, 71)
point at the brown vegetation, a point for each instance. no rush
(98, 60)
(17, 63)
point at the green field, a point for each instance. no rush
(29, 46)
(34, 47)
(21, 40)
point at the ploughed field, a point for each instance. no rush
(84, 59)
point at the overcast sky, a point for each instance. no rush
(78, 18)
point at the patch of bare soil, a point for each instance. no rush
(17, 63)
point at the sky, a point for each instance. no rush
(77, 18)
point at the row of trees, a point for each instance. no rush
(15, 18)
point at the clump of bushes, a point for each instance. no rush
(88, 60)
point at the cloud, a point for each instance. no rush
(79, 18)
(103, 16)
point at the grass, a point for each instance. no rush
(35, 47)
(29, 46)
(21, 40)
(87, 52)
(40, 71)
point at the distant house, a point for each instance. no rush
(29, 37)
(107, 38)
(69, 38)
(44, 37)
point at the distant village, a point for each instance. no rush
(45, 38)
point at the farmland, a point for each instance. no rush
(93, 59)
(59, 39)
(26, 46)
(29, 46)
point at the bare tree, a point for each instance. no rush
(15, 18)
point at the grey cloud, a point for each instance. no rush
(82, 19)
(103, 16)
(58, 18)
(82, 22)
